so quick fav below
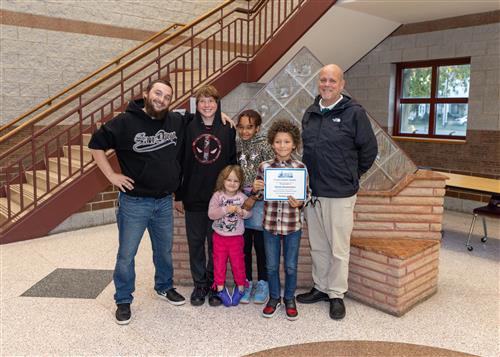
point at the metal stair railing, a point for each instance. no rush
(194, 55)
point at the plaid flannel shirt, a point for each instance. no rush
(279, 217)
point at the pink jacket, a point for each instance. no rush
(227, 224)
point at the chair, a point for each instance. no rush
(491, 210)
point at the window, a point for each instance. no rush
(432, 98)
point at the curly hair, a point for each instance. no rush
(284, 126)
(224, 174)
(253, 117)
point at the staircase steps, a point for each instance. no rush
(41, 178)
(4, 214)
(86, 139)
(187, 81)
(55, 164)
(75, 152)
(28, 193)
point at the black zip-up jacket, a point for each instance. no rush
(339, 146)
(149, 150)
(207, 152)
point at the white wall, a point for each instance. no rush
(341, 36)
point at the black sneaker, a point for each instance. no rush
(337, 309)
(213, 298)
(172, 296)
(271, 307)
(198, 296)
(312, 296)
(123, 314)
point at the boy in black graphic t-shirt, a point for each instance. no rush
(210, 146)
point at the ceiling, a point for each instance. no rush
(411, 11)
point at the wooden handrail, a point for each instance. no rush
(253, 9)
(50, 110)
(74, 85)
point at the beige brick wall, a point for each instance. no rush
(395, 284)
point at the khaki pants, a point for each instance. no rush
(330, 223)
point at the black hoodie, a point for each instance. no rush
(207, 152)
(339, 146)
(148, 150)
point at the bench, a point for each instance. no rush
(393, 275)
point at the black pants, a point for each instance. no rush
(199, 230)
(256, 239)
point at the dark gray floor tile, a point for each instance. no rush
(72, 283)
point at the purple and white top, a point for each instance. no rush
(227, 224)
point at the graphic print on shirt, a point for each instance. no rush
(229, 222)
(243, 159)
(206, 148)
(155, 142)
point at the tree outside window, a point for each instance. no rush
(432, 98)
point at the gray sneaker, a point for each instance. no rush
(261, 292)
(247, 295)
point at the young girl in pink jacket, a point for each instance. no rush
(228, 215)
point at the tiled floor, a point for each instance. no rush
(462, 316)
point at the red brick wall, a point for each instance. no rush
(478, 156)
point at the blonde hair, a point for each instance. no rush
(224, 174)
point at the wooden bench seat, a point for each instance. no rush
(393, 275)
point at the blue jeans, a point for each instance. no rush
(134, 215)
(291, 243)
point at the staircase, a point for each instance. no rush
(40, 184)
(47, 171)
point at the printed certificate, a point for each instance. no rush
(279, 183)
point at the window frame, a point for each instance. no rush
(433, 100)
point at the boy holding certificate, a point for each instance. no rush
(282, 214)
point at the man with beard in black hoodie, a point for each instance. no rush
(210, 146)
(148, 141)
(339, 146)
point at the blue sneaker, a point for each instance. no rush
(261, 292)
(225, 297)
(247, 294)
(237, 295)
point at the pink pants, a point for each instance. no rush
(229, 247)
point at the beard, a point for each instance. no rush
(150, 109)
